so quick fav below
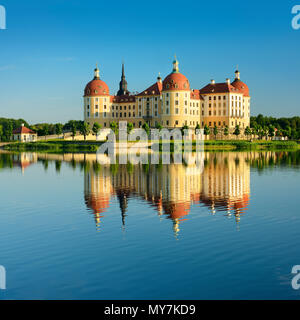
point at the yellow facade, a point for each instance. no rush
(222, 104)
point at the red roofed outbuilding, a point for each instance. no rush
(24, 134)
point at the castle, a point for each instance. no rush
(169, 102)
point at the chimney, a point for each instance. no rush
(212, 81)
(228, 81)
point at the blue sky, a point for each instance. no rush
(50, 48)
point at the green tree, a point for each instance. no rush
(96, 128)
(129, 127)
(58, 128)
(158, 126)
(237, 131)
(1, 132)
(206, 130)
(215, 131)
(85, 129)
(271, 131)
(114, 127)
(146, 127)
(226, 131)
(197, 127)
(248, 131)
(185, 127)
(73, 130)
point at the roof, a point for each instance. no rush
(235, 87)
(195, 94)
(122, 99)
(176, 81)
(23, 130)
(155, 89)
(241, 86)
(96, 87)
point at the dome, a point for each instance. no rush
(241, 86)
(96, 87)
(176, 81)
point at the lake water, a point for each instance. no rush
(71, 228)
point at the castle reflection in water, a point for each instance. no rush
(221, 185)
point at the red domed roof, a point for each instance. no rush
(241, 86)
(96, 87)
(176, 81)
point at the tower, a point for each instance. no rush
(175, 65)
(97, 73)
(123, 84)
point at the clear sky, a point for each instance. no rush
(50, 48)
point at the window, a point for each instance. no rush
(176, 102)
(96, 106)
(104, 114)
(176, 122)
(97, 114)
(176, 111)
(167, 122)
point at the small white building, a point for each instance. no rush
(24, 134)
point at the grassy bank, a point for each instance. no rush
(55, 146)
(243, 145)
(255, 145)
(58, 146)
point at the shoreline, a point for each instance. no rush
(55, 146)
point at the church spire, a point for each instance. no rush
(96, 73)
(175, 65)
(123, 83)
(237, 73)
